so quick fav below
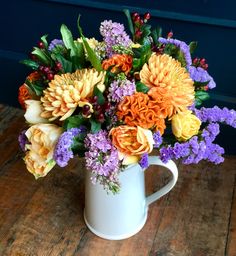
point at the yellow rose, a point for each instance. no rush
(42, 140)
(185, 125)
(131, 142)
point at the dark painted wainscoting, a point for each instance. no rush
(24, 22)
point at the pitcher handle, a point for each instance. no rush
(171, 166)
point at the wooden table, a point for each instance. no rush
(45, 217)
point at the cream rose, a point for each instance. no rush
(33, 112)
(185, 125)
(42, 140)
(131, 142)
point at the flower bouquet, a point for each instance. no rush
(115, 100)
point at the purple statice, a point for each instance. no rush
(210, 132)
(166, 154)
(119, 89)
(217, 115)
(144, 161)
(157, 139)
(23, 140)
(102, 157)
(201, 75)
(184, 48)
(55, 43)
(114, 34)
(63, 153)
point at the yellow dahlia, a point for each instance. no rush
(171, 85)
(68, 91)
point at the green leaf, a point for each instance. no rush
(95, 126)
(98, 93)
(192, 46)
(155, 34)
(42, 56)
(30, 63)
(92, 56)
(130, 23)
(44, 40)
(202, 95)
(36, 88)
(146, 31)
(77, 146)
(68, 40)
(201, 84)
(74, 121)
(66, 64)
(140, 87)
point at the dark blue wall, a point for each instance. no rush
(210, 22)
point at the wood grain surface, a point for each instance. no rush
(45, 217)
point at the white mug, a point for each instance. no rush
(122, 215)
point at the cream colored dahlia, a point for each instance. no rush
(68, 91)
(170, 83)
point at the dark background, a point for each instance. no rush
(210, 22)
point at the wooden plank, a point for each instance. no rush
(196, 217)
(231, 237)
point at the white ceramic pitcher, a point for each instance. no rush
(122, 215)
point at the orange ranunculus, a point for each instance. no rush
(132, 141)
(139, 110)
(23, 95)
(119, 63)
(34, 76)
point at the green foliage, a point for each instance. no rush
(92, 56)
(192, 46)
(99, 94)
(66, 64)
(42, 56)
(140, 87)
(30, 63)
(95, 125)
(155, 34)
(74, 121)
(176, 53)
(36, 87)
(130, 22)
(141, 55)
(76, 49)
(44, 40)
(201, 96)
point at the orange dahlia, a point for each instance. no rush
(68, 91)
(170, 83)
(118, 62)
(23, 94)
(139, 110)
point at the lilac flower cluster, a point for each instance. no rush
(102, 157)
(54, 43)
(119, 89)
(114, 34)
(216, 114)
(63, 153)
(201, 75)
(184, 48)
(196, 149)
(23, 140)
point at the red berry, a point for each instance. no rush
(147, 16)
(195, 61)
(46, 70)
(107, 106)
(94, 99)
(98, 108)
(50, 76)
(134, 15)
(206, 88)
(101, 118)
(138, 34)
(170, 34)
(205, 66)
(202, 61)
(41, 44)
(32, 56)
(58, 65)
